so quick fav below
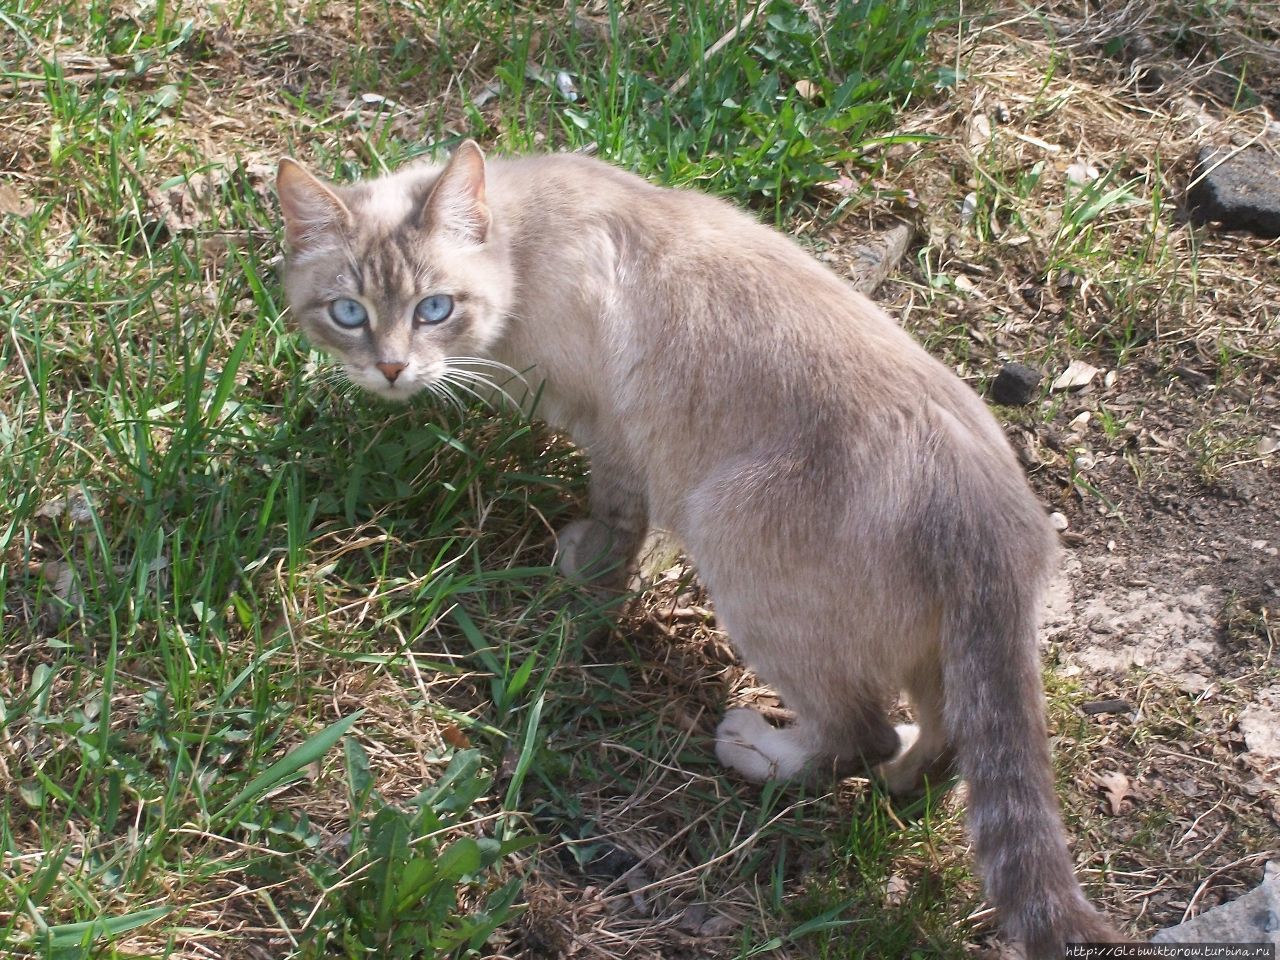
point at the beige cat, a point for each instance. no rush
(853, 508)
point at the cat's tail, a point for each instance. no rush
(995, 717)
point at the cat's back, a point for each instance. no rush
(707, 295)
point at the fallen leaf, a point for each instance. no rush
(13, 203)
(1116, 787)
(808, 90)
(1081, 173)
(1077, 375)
(454, 737)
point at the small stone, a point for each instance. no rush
(1079, 424)
(1016, 385)
(1082, 172)
(1268, 445)
(1058, 521)
(1239, 190)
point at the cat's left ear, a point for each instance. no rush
(457, 202)
(313, 214)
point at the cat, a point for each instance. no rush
(853, 509)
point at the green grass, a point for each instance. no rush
(286, 671)
(277, 657)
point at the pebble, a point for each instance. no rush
(1016, 385)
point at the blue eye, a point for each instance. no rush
(434, 309)
(348, 313)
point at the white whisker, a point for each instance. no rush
(442, 392)
(467, 380)
(461, 375)
(464, 362)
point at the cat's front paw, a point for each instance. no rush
(588, 551)
(901, 776)
(921, 762)
(748, 743)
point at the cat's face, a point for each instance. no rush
(401, 279)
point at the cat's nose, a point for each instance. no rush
(391, 370)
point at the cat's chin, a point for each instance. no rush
(396, 394)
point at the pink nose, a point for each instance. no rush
(391, 370)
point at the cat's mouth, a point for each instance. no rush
(397, 386)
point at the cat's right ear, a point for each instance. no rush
(457, 201)
(313, 214)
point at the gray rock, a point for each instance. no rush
(877, 257)
(1016, 385)
(1241, 192)
(1252, 918)
(1260, 724)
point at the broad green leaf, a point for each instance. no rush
(296, 759)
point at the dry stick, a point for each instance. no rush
(1204, 884)
(14, 86)
(720, 44)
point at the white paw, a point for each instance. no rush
(900, 776)
(908, 734)
(747, 743)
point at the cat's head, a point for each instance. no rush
(400, 278)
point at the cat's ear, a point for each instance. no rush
(457, 202)
(313, 214)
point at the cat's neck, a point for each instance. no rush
(563, 234)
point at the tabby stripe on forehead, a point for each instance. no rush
(407, 230)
